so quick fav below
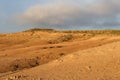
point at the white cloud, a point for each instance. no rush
(72, 12)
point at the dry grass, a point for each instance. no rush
(47, 44)
(39, 29)
(62, 38)
(19, 64)
(95, 32)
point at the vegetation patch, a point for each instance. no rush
(62, 38)
(39, 29)
(20, 64)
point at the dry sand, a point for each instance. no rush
(56, 56)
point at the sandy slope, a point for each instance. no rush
(71, 56)
(23, 50)
(99, 63)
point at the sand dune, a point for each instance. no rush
(99, 63)
(47, 55)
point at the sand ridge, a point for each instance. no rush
(52, 55)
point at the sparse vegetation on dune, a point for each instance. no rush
(20, 64)
(62, 38)
(18, 51)
(39, 29)
(95, 32)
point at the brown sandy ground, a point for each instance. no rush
(99, 63)
(21, 52)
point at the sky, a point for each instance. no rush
(18, 15)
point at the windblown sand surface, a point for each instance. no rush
(59, 56)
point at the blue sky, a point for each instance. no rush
(18, 15)
(9, 8)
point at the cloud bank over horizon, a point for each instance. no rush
(59, 14)
(73, 13)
